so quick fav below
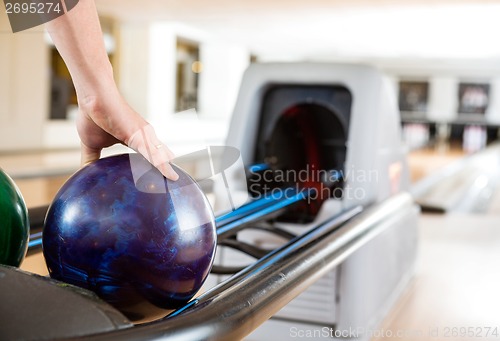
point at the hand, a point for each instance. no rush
(103, 123)
(104, 117)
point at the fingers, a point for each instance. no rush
(145, 142)
(160, 155)
(89, 155)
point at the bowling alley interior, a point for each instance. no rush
(338, 161)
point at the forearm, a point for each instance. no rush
(104, 116)
(78, 38)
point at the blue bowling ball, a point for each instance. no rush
(141, 242)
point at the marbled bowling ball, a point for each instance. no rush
(141, 242)
(14, 223)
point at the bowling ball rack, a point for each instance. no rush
(254, 293)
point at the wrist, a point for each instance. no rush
(107, 108)
(96, 85)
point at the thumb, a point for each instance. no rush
(89, 155)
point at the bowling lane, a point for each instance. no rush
(494, 208)
(465, 185)
(35, 264)
(455, 283)
(426, 161)
(38, 191)
(36, 164)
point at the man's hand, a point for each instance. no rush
(104, 116)
(103, 123)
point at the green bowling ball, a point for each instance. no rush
(14, 223)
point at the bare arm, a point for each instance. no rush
(104, 116)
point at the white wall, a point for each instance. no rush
(223, 68)
(443, 98)
(5, 72)
(24, 87)
(133, 65)
(224, 65)
(493, 112)
(161, 71)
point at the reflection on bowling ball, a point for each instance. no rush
(14, 223)
(141, 242)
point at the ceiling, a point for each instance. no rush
(335, 29)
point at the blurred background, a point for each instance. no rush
(170, 56)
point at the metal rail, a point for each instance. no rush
(227, 225)
(236, 307)
(276, 205)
